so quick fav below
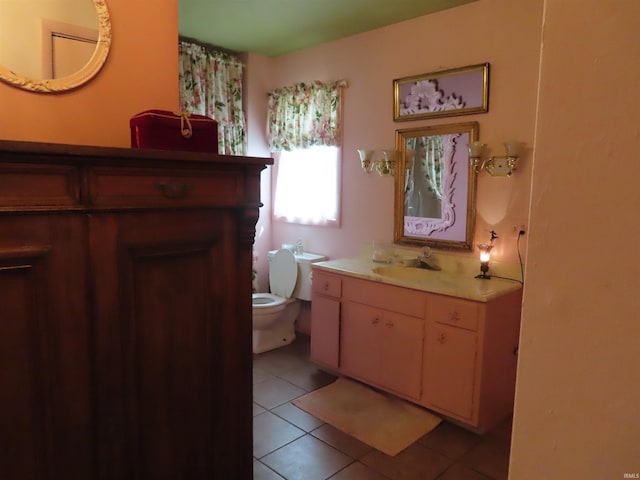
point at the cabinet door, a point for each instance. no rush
(450, 369)
(401, 345)
(360, 341)
(45, 419)
(382, 347)
(325, 330)
(173, 346)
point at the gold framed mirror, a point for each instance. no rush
(23, 60)
(435, 186)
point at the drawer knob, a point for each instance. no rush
(375, 321)
(326, 286)
(174, 189)
(442, 338)
(455, 316)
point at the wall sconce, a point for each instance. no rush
(485, 256)
(501, 166)
(386, 165)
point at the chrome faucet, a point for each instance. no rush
(424, 262)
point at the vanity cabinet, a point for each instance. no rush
(452, 355)
(325, 318)
(450, 358)
(125, 285)
(381, 332)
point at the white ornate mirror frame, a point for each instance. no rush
(82, 76)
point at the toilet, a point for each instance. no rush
(274, 314)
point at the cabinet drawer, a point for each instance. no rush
(124, 187)
(388, 297)
(453, 311)
(32, 186)
(326, 284)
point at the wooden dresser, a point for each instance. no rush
(125, 309)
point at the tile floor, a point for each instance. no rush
(290, 444)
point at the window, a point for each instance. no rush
(304, 127)
(307, 186)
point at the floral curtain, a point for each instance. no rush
(211, 84)
(429, 159)
(304, 115)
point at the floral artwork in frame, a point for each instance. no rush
(458, 91)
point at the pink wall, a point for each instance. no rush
(502, 32)
(140, 73)
(577, 407)
(257, 76)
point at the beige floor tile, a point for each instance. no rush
(259, 375)
(490, 457)
(270, 432)
(273, 392)
(450, 440)
(415, 462)
(298, 417)
(340, 440)
(307, 458)
(460, 472)
(257, 409)
(358, 471)
(279, 361)
(307, 376)
(262, 472)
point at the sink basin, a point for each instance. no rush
(410, 274)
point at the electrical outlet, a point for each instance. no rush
(520, 229)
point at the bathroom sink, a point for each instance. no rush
(409, 274)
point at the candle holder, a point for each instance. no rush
(485, 256)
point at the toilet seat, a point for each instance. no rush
(266, 300)
(283, 274)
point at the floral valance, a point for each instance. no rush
(304, 115)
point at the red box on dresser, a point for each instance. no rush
(164, 130)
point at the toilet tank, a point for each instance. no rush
(303, 284)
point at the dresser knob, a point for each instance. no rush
(442, 338)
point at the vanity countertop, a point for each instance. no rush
(441, 282)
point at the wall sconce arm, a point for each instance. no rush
(385, 165)
(497, 166)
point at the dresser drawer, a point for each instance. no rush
(34, 186)
(453, 311)
(124, 187)
(326, 284)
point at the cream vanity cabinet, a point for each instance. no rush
(451, 355)
(381, 332)
(325, 318)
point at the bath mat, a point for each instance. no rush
(382, 421)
